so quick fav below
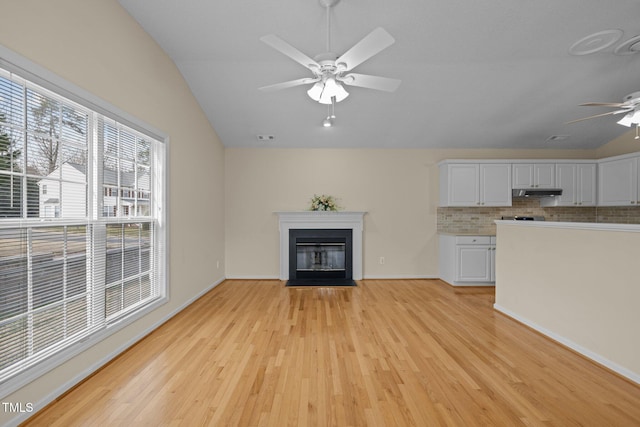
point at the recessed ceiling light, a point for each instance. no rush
(266, 137)
(554, 138)
(595, 42)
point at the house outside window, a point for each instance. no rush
(72, 265)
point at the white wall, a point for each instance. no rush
(96, 45)
(578, 286)
(398, 189)
(624, 144)
(392, 186)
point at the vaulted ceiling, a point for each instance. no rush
(474, 74)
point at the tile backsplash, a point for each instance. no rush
(472, 220)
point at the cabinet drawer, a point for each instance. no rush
(473, 240)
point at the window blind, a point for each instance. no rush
(81, 233)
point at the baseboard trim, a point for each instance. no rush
(51, 397)
(597, 358)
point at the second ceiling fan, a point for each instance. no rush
(630, 107)
(329, 70)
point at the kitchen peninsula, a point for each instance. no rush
(578, 283)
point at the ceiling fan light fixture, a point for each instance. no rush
(630, 118)
(316, 91)
(341, 94)
(333, 91)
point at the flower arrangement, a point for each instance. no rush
(323, 203)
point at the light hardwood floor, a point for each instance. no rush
(388, 352)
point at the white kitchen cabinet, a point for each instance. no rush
(459, 184)
(475, 184)
(467, 260)
(533, 175)
(578, 184)
(618, 182)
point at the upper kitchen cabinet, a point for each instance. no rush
(578, 184)
(533, 175)
(475, 184)
(618, 181)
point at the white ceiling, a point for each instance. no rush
(474, 74)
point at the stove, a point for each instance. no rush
(523, 218)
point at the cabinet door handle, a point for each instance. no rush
(632, 202)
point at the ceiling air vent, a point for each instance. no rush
(556, 138)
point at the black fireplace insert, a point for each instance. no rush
(320, 257)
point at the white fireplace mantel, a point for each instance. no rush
(319, 220)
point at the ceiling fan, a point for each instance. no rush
(329, 70)
(630, 106)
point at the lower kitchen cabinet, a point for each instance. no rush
(467, 260)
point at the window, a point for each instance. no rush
(81, 225)
(127, 170)
(129, 265)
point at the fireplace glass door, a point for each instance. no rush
(320, 257)
(320, 254)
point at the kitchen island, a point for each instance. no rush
(578, 283)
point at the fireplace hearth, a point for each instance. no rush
(320, 257)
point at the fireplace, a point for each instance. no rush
(320, 256)
(349, 221)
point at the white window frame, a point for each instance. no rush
(34, 73)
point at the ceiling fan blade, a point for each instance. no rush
(290, 83)
(375, 42)
(283, 47)
(371, 82)
(600, 115)
(603, 104)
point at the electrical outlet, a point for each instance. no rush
(381, 260)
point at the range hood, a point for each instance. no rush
(536, 192)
